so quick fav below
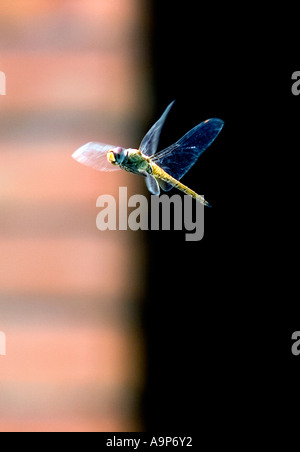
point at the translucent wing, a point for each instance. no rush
(149, 143)
(152, 184)
(93, 154)
(164, 185)
(178, 158)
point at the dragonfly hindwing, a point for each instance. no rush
(165, 186)
(152, 185)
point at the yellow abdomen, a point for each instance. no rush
(159, 173)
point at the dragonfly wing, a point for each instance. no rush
(149, 143)
(93, 154)
(164, 185)
(178, 158)
(152, 185)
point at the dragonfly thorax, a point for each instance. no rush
(137, 162)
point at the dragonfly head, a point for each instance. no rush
(116, 156)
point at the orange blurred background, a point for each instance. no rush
(69, 294)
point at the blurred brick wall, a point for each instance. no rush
(75, 72)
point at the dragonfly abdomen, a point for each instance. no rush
(159, 173)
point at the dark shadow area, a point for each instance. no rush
(215, 307)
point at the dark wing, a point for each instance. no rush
(149, 143)
(178, 158)
(94, 154)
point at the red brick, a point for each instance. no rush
(72, 265)
(84, 80)
(50, 174)
(83, 424)
(104, 357)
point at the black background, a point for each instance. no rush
(220, 312)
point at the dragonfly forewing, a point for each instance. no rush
(178, 158)
(94, 154)
(150, 141)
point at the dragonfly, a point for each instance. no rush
(161, 169)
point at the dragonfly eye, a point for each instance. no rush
(119, 154)
(116, 156)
